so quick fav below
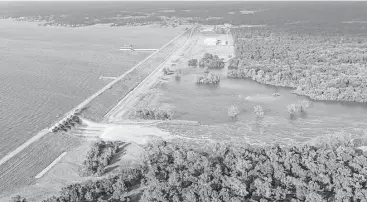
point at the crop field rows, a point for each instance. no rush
(21, 169)
(106, 101)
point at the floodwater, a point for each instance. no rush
(46, 71)
(209, 104)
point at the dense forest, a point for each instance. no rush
(98, 157)
(331, 170)
(321, 67)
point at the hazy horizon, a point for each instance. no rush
(184, 0)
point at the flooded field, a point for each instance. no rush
(46, 71)
(209, 104)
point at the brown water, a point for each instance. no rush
(209, 105)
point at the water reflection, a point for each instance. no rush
(209, 104)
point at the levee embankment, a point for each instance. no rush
(19, 167)
(99, 106)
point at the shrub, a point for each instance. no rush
(233, 63)
(193, 62)
(167, 71)
(207, 56)
(206, 70)
(154, 114)
(233, 112)
(301, 106)
(18, 198)
(292, 109)
(115, 188)
(178, 75)
(99, 157)
(210, 61)
(208, 79)
(259, 111)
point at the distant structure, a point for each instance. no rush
(131, 48)
(127, 47)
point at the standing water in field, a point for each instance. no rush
(209, 104)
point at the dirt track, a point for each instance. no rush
(122, 107)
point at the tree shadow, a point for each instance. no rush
(117, 157)
(136, 197)
(303, 114)
(136, 193)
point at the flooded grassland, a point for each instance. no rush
(208, 104)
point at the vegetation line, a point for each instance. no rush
(83, 104)
(43, 172)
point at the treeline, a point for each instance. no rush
(299, 173)
(211, 61)
(154, 114)
(329, 171)
(208, 78)
(111, 189)
(99, 156)
(323, 68)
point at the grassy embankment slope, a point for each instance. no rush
(19, 163)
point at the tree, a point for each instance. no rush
(18, 198)
(233, 112)
(259, 111)
(193, 62)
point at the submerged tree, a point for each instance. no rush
(259, 111)
(292, 109)
(233, 112)
(301, 106)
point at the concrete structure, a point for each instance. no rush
(210, 41)
(130, 48)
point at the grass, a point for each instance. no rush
(21, 169)
(106, 101)
(59, 68)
